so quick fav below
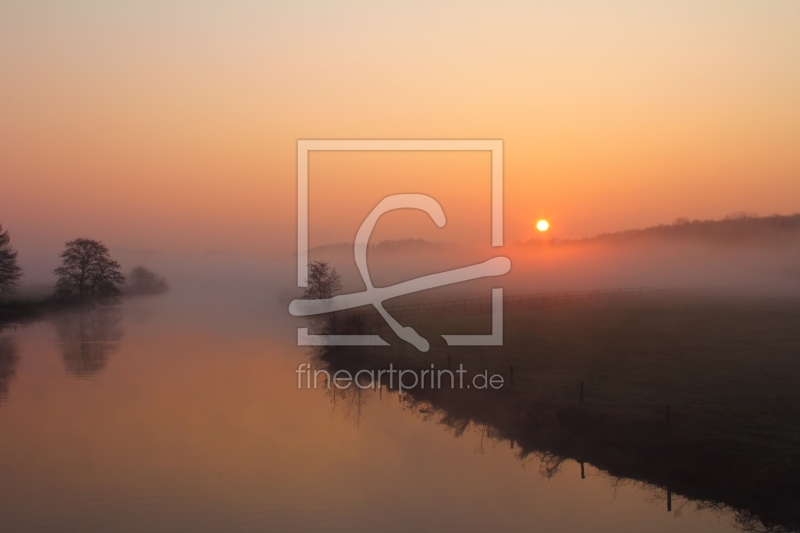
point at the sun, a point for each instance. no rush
(542, 225)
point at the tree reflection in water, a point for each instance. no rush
(8, 365)
(88, 337)
(550, 462)
(538, 435)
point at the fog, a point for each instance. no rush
(227, 290)
(547, 266)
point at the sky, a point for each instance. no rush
(173, 125)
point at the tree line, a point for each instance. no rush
(86, 276)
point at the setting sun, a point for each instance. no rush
(542, 225)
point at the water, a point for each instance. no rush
(187, 417)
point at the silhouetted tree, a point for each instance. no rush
(88, 275)
(142, 282)
(323, 281)
(10, 272)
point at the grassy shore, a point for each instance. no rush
(728, 367)
(24, 309)
(29, 303)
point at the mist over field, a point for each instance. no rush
(741, 254)
(231, 293)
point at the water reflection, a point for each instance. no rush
(8, 365)
(216, 436)
(350, 402)
(88, 338)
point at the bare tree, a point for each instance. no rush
(88, 275)
(143, 282)
(10, 272)
(323, 281)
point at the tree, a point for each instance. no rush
(88, 275)
(323, 281)
(142, 281)
(10, 272)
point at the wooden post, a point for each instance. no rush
(581, 391)
(511, 375)
(669, 501)
(667, 413)
(583, 473)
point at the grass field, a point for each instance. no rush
(724, 365)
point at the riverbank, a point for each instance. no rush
(593, 383)
(27, 306)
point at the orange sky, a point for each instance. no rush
(174, 125)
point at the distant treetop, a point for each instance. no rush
(143, 282)
(323, 281)
(88, 275)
